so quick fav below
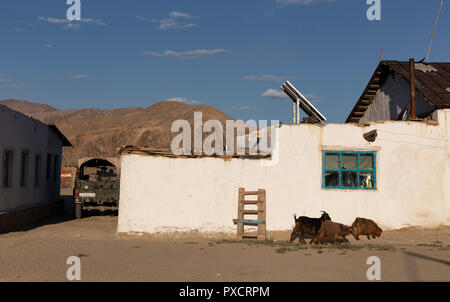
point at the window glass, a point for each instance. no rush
(349, 179)
(349, 161)
(24, 169)
(366, 180)
(332, 179)
(349, 170)
(332, 161)
(37, 170)
(49, 166)
(366, 161)
(55, 167)
(7, 169)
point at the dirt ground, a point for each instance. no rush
(40, 253)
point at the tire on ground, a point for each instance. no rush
(78, 210)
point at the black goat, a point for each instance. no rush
(307, 224)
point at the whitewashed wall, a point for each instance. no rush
(19, 132)
(166, 194)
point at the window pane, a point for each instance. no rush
(366, 180)
(49, 163)
(24, 170)
(349, 179)
(7, 169)
(331, 179)
(366, 161)
(37, 170)
(331, 161)
(55, 167)
(349, 161)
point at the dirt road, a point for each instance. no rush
(40, 254)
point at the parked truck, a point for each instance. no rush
(97, 188)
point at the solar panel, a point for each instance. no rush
(306, 105)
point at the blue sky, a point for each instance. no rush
(232, 55)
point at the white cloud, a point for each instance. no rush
(18, 29)
(194, 53)
(312, 98)
(53, 20)
(191, 54)
(79, 76)
(10, 83)
(172, 22)
(72, 24)
(279, 94)
(176, 14)
(274, 94)
(269, 78)
(302, 2)
(48, 45)
(184, 101)
(152, 53)
(94, 21)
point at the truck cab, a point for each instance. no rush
(97, 188)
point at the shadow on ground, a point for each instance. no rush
(56, 219)
(59, 218)
(427, 258)
(308, 236)
(91, 213)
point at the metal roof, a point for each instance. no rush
(432, 81)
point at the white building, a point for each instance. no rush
(408, 183)
(399, 177)
(31, 154)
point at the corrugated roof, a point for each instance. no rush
(432, 81)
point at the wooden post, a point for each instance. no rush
(240, 225)
(293, 113)
(262, 213)
(413, 89)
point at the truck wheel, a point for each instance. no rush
(78, 210)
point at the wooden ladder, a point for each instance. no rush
(260, 212)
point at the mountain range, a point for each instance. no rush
(98, 132)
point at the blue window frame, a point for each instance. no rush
(355, 170)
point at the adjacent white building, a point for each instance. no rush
(31, 154)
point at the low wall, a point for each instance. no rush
(161, 194)
(13, 220)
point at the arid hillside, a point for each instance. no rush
(96, 132)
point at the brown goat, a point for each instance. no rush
(334, 229)
(363, 226)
